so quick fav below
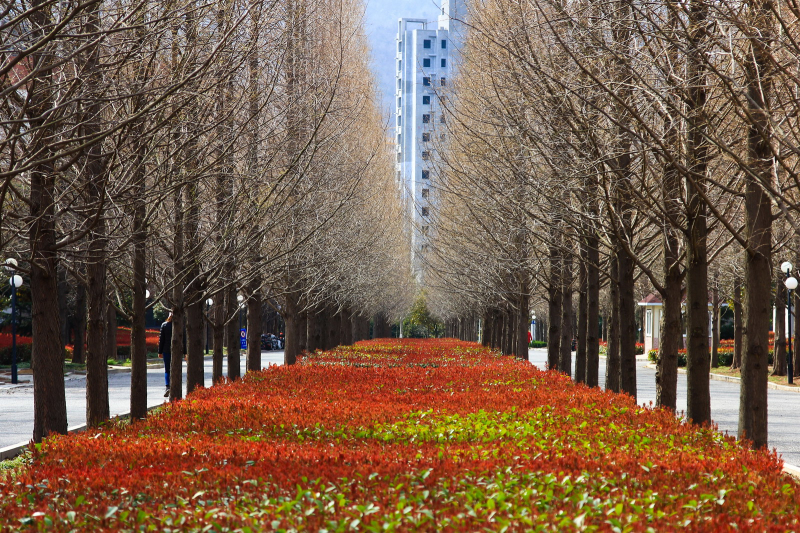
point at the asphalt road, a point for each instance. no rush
(783, 427)
(16, 404)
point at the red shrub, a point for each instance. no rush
(402, 435)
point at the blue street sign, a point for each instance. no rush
(243, 338)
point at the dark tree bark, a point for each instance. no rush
(112, 351)
(779, 355)
(254, 329)
(627, 325)
(79, 344)
(583, 300)
(565, 352)
(218, 337)
(555, 303)
(592, 311)
(195, 375)
(97, 408)
(49, 399)
(138, 334)
(233, 334)
(715, 317)
(738, 325)
(523, 322)
(291, 318)
(758, 227)
(612, 349)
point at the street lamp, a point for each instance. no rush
(791, 284)
(209, 303)
(240, 298)
(15, 281)
(533, 323)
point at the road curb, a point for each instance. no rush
(732, 379)
(792, 470)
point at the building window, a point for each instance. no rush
(399, 120)
(444, 63)
(426, 137)
(399, 66)
(399, 84)
(399, 157)
(426, 174)
(399, 139)
(426, 81)
(426, 100)
(425, 193)
(426, 155)
(648, 323)
(426, 118)
(424, 211)
(399, 102)
(442, 120)
(424, 247)
(399, 175)
(425, 230)
(443, 82)
(426, 43)
(400, 46)
(444, 43)
(426, 63)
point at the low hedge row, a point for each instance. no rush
(402, 435)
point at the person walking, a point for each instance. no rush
(165, 348)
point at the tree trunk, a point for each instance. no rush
(195, 374)
(612, 349)
(49, 399)
(715, 318)
(97, 408)
(738, 326)
(138, 317)
(112, 351)
(555, 305)
(523, 322)
(292, 337)
(254, 329)
(627, 325)
(218, 329)
(592, 311)
(178, 349)
(233, 334)
(779, 343)
(583, 299)
(565, 352)
(79, 343)
(758, 228)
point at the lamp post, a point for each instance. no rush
(791, 284)
(533, 323)
(209, 303)
(15, 281)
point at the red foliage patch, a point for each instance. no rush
(402, 435)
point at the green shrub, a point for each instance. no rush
(538, 344)
(23, 354)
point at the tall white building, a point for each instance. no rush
(424, 52)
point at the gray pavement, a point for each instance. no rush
(783, 406)
(16, 403)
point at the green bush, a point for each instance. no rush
(23, 354)
(538, 344)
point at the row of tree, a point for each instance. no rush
(595, 143)
(186, 152)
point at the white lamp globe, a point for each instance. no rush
(786, 267)
(240, 298)
(15, 281)
(791, 283)
(11, 263)
(146, 293)
(210, 302)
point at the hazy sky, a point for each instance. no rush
(381, 23)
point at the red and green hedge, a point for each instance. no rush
(401, 436)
